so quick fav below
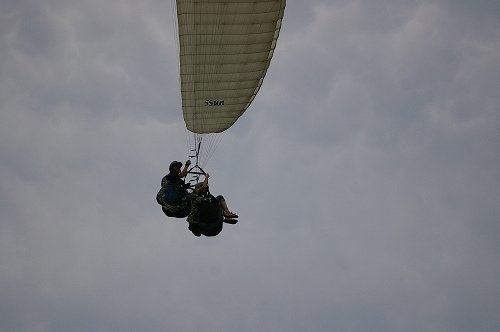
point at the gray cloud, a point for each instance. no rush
(365, 173)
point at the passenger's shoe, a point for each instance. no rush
(230, 215)
(230, 221)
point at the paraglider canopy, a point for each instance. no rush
(225, 50)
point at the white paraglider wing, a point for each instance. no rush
(225, 50)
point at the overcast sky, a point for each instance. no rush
(366, 173)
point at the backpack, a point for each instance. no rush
(209, 211)
(173, 194)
